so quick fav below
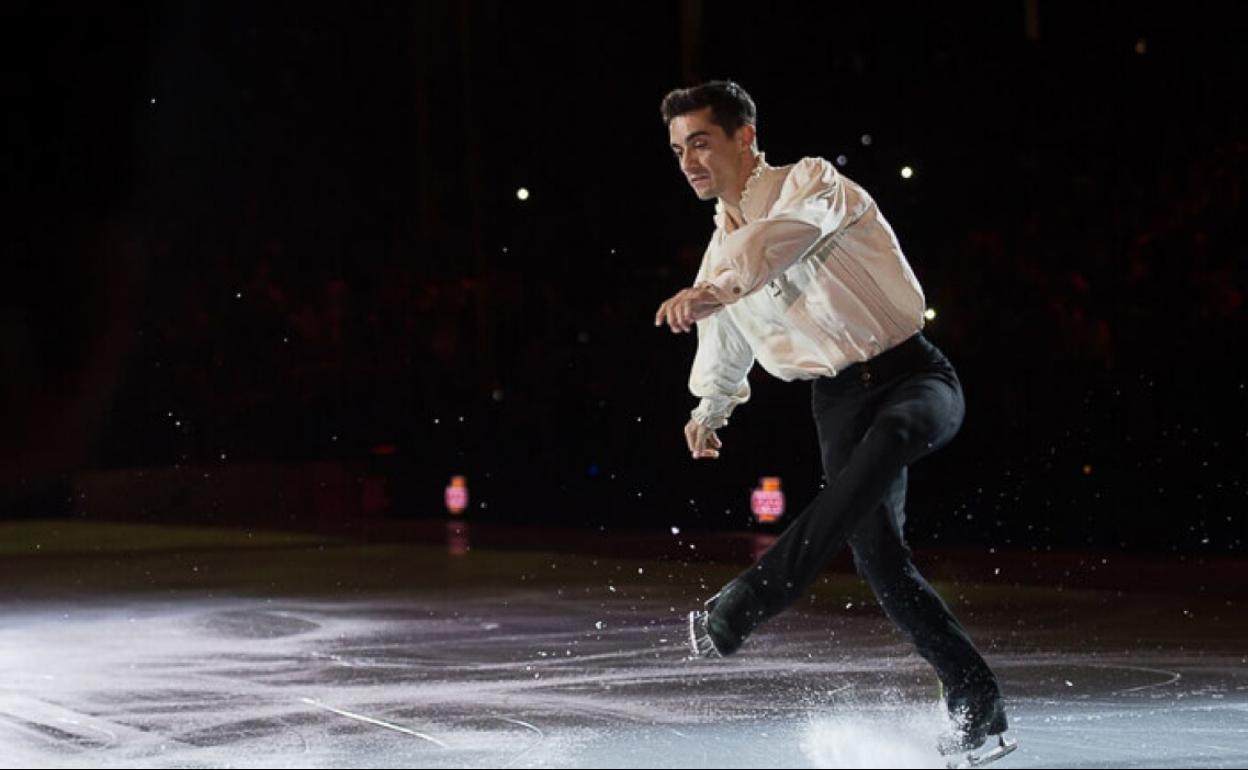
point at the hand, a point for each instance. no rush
(686, 308)
(703, 442)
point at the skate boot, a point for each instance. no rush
(729, 617)
(977, 713)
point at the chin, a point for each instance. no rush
(706, 195)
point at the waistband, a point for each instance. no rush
(893, 363)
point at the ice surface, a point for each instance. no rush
(296, 654)
(468, 682)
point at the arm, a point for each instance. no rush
(811, 206)
(720, 371)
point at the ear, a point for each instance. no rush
(745, 136)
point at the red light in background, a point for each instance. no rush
(385, 450)
(767, 502)
(457, 495)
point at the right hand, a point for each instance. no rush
(703, 443)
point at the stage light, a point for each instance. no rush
(767, 502)
(841, 160)
(866, 140)
(930, 314)
(522, 194)
(457, 495)
(906, 172)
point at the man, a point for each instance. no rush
(804, 275)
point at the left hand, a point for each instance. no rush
(686, 308)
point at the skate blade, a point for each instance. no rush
(976, 759)
(700, 646)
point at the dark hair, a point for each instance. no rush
(731, 107)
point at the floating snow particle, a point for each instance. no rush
(1069, 683)
(600, 625)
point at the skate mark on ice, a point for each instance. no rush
(541, 738)
(376, 722)
(582, 707)
(1172, 677)
(62, 738)
(50, 721)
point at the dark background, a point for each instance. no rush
(289, 231)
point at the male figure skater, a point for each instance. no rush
(804, 275)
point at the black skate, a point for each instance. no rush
(700, 641)
(977, 715)
(729, 617)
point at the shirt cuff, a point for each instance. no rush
(711, 415)
(727, 287)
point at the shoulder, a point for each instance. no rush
(810, 172)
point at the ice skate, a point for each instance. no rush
(730, 616)
(977, 717)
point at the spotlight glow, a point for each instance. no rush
(930, 314)
(906, 172)
(522, 193)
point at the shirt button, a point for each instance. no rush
(866, 376)
(736, 289)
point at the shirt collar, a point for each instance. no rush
(750, 204)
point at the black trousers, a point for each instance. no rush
(875, 419)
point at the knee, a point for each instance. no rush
(882, 566)
(894, 429)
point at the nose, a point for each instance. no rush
(687, 163)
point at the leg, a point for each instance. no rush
(883, 559)
(916, 416)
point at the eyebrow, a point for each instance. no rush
(691, 137)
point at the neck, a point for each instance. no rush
(732, 198)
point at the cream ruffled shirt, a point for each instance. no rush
(813, 282)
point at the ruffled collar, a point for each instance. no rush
(751, 184)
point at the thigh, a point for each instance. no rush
(924, 411)
(841, 420)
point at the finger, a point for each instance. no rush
(683, 316)
(662, 316)
(715, 442)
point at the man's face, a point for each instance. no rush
(709, 158)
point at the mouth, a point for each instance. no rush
(697, 180)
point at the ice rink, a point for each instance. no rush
(129, 647)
